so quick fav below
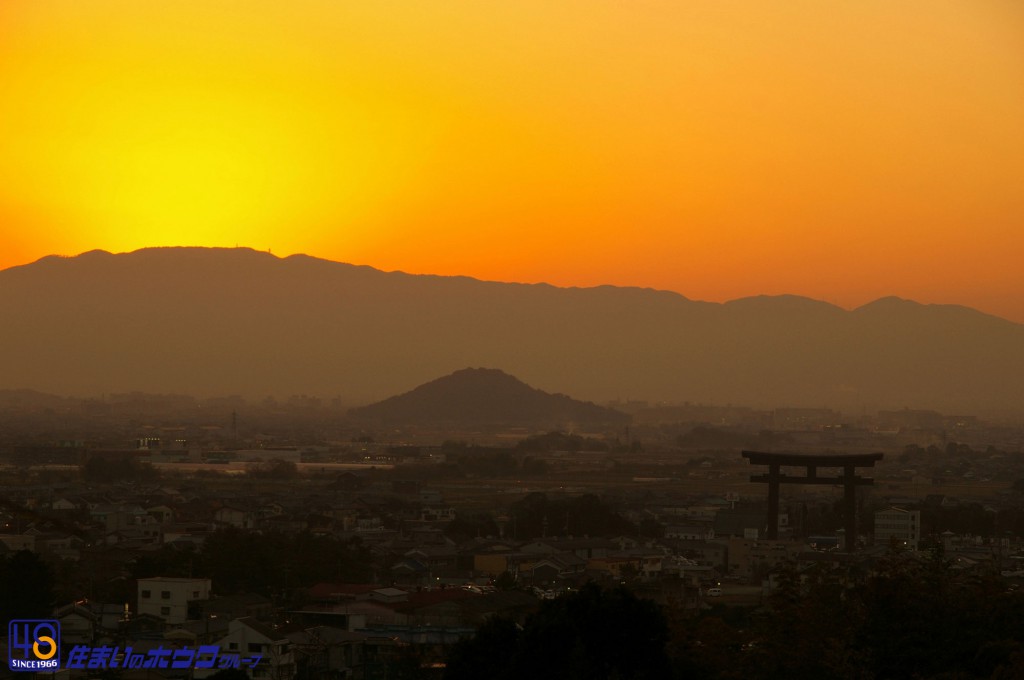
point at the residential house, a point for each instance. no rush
(78, 624)
(326, 651)
(638, 563)
(169, 598)
(265, 652)
(239, 518)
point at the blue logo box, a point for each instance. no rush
(33, 645)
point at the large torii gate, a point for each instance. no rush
(811, 462)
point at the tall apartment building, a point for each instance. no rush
(903, 526)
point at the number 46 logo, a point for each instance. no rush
(34, 644)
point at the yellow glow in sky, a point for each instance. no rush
(843, 150)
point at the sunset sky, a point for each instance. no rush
(843, 150)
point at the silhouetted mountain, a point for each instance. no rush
(487, 396)
(235, 321)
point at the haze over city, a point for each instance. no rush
(217, 322)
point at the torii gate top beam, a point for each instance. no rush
(841, 460)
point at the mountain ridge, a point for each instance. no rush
(223, 321)
(882, 302)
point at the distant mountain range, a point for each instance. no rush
(487, 396)
(236, 321)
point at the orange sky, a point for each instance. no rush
(841, 150)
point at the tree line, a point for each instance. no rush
(908, 619)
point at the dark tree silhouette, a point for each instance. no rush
(26, 587)
(592, 634)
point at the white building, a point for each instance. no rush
(897, 524)
(263, 652)
(168, 598)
